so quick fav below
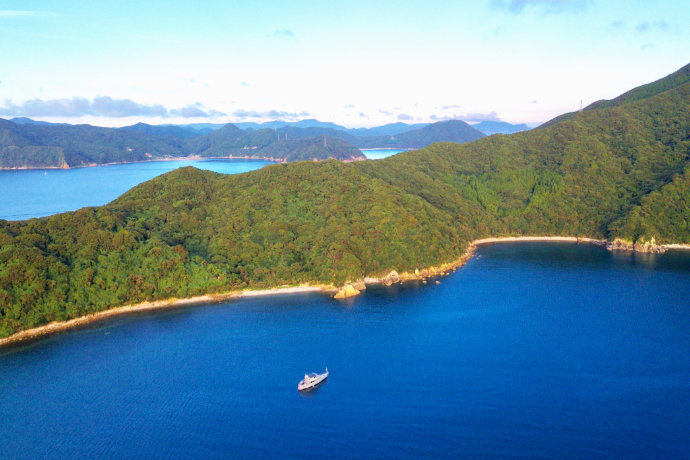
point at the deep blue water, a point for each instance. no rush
(529, 351)
(38, 193)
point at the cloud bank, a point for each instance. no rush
(101, 106)
(270, 114)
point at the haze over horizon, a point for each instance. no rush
(355, 64)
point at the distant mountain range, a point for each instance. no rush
(391, 129)
(499, 127)
(25, 143)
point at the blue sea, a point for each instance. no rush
(549, 350)
(43, 192)
(39, 193)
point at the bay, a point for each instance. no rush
(547, 350)
(43, 192)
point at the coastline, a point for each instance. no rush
(55, 327)
(391, 278)
(153, 160)
(184, 158)
(443, 269)
(527, 239)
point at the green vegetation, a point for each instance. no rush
(40, 146)
(268, 143)
(442, 131)
(619, 171)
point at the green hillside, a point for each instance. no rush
(619, 171)
(52, 145)
(443, 131)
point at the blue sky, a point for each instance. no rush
(358, 63)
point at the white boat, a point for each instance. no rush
(311, 380)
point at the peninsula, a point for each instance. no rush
(619, 169)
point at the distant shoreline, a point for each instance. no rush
(185, 158)
(154, 160)
(61, 326)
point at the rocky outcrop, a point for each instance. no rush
(359, 285)
(391, 278)
(639, 246)
(346, 291)
(619, 245)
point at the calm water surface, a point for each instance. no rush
(39, 193)
(529, 351)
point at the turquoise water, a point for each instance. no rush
(529, 351)
(39, 193)
(377, 154)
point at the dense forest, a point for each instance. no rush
(619, 170)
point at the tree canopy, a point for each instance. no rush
(621, 170)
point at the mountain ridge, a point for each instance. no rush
(40, 145)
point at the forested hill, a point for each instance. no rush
(442, 131)
(36, 145)
(674, 80)
(619, 171)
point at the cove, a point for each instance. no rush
(530, 350)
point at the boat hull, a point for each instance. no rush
(311, 384)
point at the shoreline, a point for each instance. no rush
(184, 158)
(154, 160)
(54, 327)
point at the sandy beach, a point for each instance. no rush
(60, 326)
(564, 239)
